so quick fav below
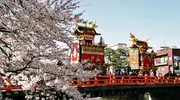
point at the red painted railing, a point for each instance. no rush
(11, 88)
(8, 87)
(126, 80)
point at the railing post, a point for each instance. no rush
(95, 80)
(111, 78)
(114, 79)
(79, 83)
(146, 78)
(163, 80)
(88, 82)
(158, 79)
(122, 80)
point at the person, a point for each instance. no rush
(117, 72)
(151, 73)
(127, 69)
(174, 74)
(159, 74)
(124, 73)
(140, 73)
(132, 73)
(168, 74)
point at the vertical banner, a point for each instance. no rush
(75, 53)
(134, 58)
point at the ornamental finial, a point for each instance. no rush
(94, 24)
(148, 39)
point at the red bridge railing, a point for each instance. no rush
(126, 80)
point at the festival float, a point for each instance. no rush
(85, 49)
(139, 57)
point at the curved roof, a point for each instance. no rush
(85, 30)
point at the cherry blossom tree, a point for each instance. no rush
(35, 44)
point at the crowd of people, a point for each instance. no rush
(128, 72)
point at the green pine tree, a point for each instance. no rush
(115, 57)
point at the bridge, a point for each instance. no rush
(103, 86)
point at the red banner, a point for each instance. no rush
(75, 53)
(93, 58)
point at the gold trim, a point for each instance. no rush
(93, 53)
(91, 47)
(94, 25)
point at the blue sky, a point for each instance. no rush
(158, 19)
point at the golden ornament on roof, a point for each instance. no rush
(94, 24)
(85, 25)
(133, 38)
(148, 39)
(76, 24)
(132, 35)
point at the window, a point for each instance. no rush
(176, 62)
(162, 69)
(166, 59)
(161, 60)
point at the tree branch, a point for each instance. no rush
(3, 51)
(4, 30)
(26, 66)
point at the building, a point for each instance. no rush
(122, 46)
(119, 46)
(168, 60)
